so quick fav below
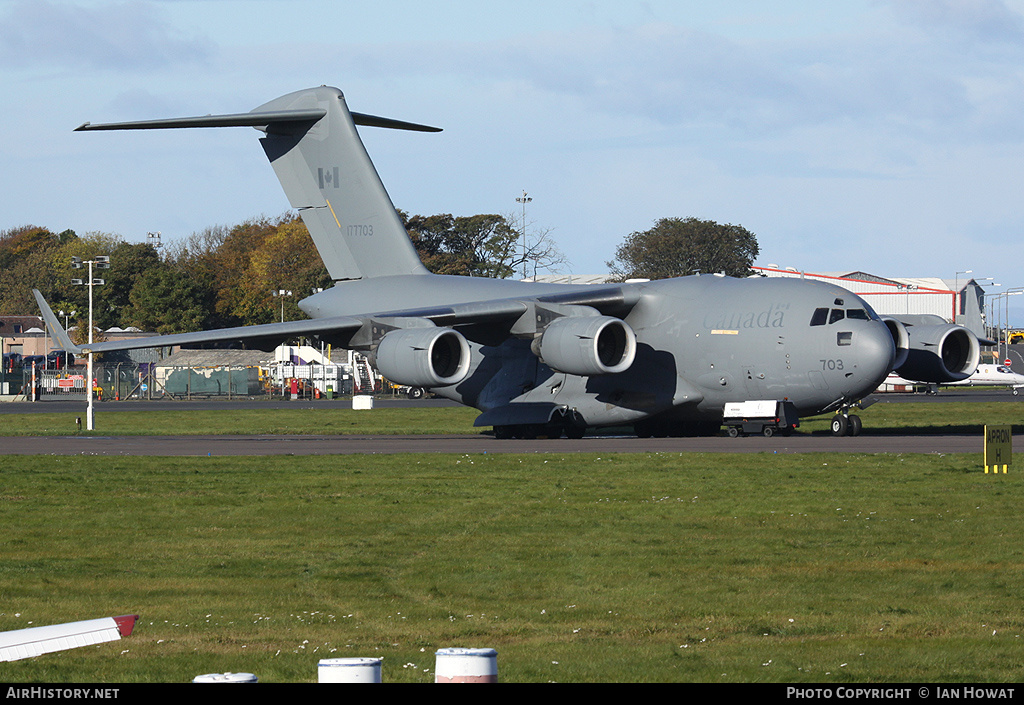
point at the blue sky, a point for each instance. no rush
(881, 135)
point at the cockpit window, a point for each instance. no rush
(857, 314)
(820, 317)
(837, 315)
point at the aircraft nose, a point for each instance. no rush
(876, 353)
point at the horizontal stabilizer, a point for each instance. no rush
(235, 120)
(374, 121)
(254, 119)
(26, 643)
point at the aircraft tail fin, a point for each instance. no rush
(311, 141)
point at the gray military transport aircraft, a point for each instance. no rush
(546, 359)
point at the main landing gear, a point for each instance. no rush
(846, 424)
(563, 423)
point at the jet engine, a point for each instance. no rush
(940, 353)
(587, 345)
(900, 338)
(423, 357)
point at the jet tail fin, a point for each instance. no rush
(311, 141)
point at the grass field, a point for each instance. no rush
(577, 567)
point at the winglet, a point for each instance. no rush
(126, 623)
(58, 332)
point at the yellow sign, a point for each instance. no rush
(998, 448)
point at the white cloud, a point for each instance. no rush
(116, 36)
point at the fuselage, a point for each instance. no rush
(702, 341)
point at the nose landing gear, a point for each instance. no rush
(846, 424)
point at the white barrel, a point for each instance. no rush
(466, 666)
(226, 678)
(349, 670)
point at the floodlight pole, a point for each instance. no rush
(102, 263)
(524, 199)
(281, 293)
(89, 411)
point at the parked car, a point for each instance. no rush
(38, 360)
(60, 358)
(11, 361)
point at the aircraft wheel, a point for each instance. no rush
(839, 425)
(643, 429)
(574, 431)
(768, 431)
(503, 432)
(733, 432)
(529, 431)
(416, 393)
(553, 430)
(855, 426)
(1015, 392)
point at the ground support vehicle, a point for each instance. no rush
(765, 417)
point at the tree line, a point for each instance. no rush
(226, 276)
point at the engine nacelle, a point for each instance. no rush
(940, 353)
(423, 357)
(900, 338)
(587, 345)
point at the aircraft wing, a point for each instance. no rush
(269, 335)
(26, 643)
(345, 330)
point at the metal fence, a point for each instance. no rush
(124, 380)
(128, 380)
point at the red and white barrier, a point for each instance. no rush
(466, 666)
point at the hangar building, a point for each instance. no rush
(955, 300)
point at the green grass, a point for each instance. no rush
(254, 421)
(582, 567)
(921, 417)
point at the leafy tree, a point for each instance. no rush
(166, 299)
(677, 247)
(476, 245)
(461, 245)
(26, 262)
(286, 259)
